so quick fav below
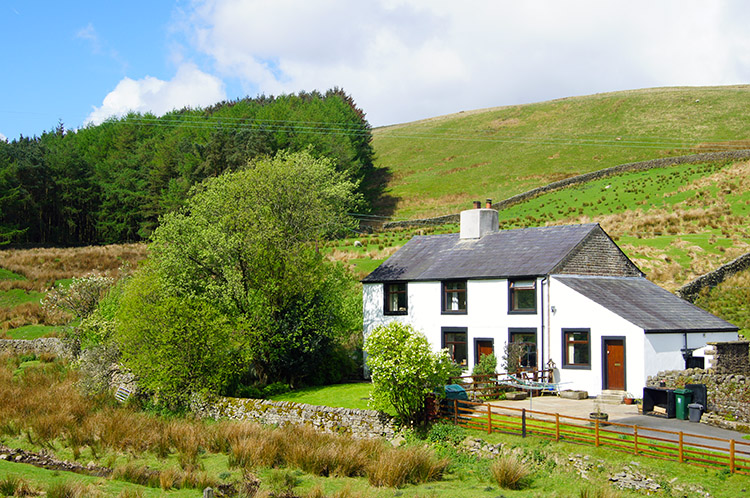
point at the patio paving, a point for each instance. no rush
(618, 413)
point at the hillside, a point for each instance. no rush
(436, 166)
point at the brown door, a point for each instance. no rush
(484, 348)
(614, 350)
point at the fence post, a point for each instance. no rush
(557, 426)
(681, 455)
(731, 456)
(523, 422)
(635, 439)
(596, 430)
(489, 418)
(455, 411)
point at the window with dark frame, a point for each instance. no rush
(522, 296)
(527, 339)
(576, 348)
(454, 340)
(395, 299)
(454, 296)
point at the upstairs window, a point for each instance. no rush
(576, 349)
(522, 296)
(454, 296)
(395, 299)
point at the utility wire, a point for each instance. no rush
(353, 129)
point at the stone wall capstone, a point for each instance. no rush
(357, 423)
(48, 345)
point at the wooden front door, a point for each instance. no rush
(614, 352)
(484, 347)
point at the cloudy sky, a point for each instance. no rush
(401, 60)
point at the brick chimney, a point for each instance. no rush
(477, 222)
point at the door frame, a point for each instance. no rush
(477, 340)
(605, 366)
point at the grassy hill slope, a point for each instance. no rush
(439, 165)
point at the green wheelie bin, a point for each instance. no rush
(682, 398)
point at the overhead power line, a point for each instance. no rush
(349, 129)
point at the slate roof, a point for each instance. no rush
(645, 304)
(524, 252)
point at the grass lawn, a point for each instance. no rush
(14, 297)
(354, 395)
(32, 331)
(9, 275)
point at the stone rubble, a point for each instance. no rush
(632, 478)
(48, 462)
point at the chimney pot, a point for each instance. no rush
(489, 204)
(477, 205)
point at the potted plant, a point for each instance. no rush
(628, 399)
(598, 414)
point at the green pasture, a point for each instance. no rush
(437, 166)
(32, 331)
(644, 190)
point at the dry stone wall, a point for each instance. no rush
(48, 345)
(692, 289)
(728, 394)
(586, 177)
(357, 423)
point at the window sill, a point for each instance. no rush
(522, 312)
(395, 313)
(444, 312)
(576, 367)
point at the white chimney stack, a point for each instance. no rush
(477, 222)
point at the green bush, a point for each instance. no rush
(446, 433)
(275, 389)
(404, 369)
(487, 365)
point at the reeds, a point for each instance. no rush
(11, 485)
(412, 465)
(43, 266)
(510, 473)
(44, 403)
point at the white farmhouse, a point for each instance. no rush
(568, 293)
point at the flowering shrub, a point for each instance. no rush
(404, 369)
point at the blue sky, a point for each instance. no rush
(401, 60)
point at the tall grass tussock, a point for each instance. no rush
(510, 473)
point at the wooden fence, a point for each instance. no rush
(694, 449)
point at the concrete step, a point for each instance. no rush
(611, 397)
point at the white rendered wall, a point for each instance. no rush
(487, 314)
(663, 351)
(575, 311)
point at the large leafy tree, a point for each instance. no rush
(246, 242)
(111, 182)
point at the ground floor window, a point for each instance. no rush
(576, 348)
(527, 339)
(454, 340)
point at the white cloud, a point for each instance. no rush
(190, 87)
(3, 138)
(406, 59)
